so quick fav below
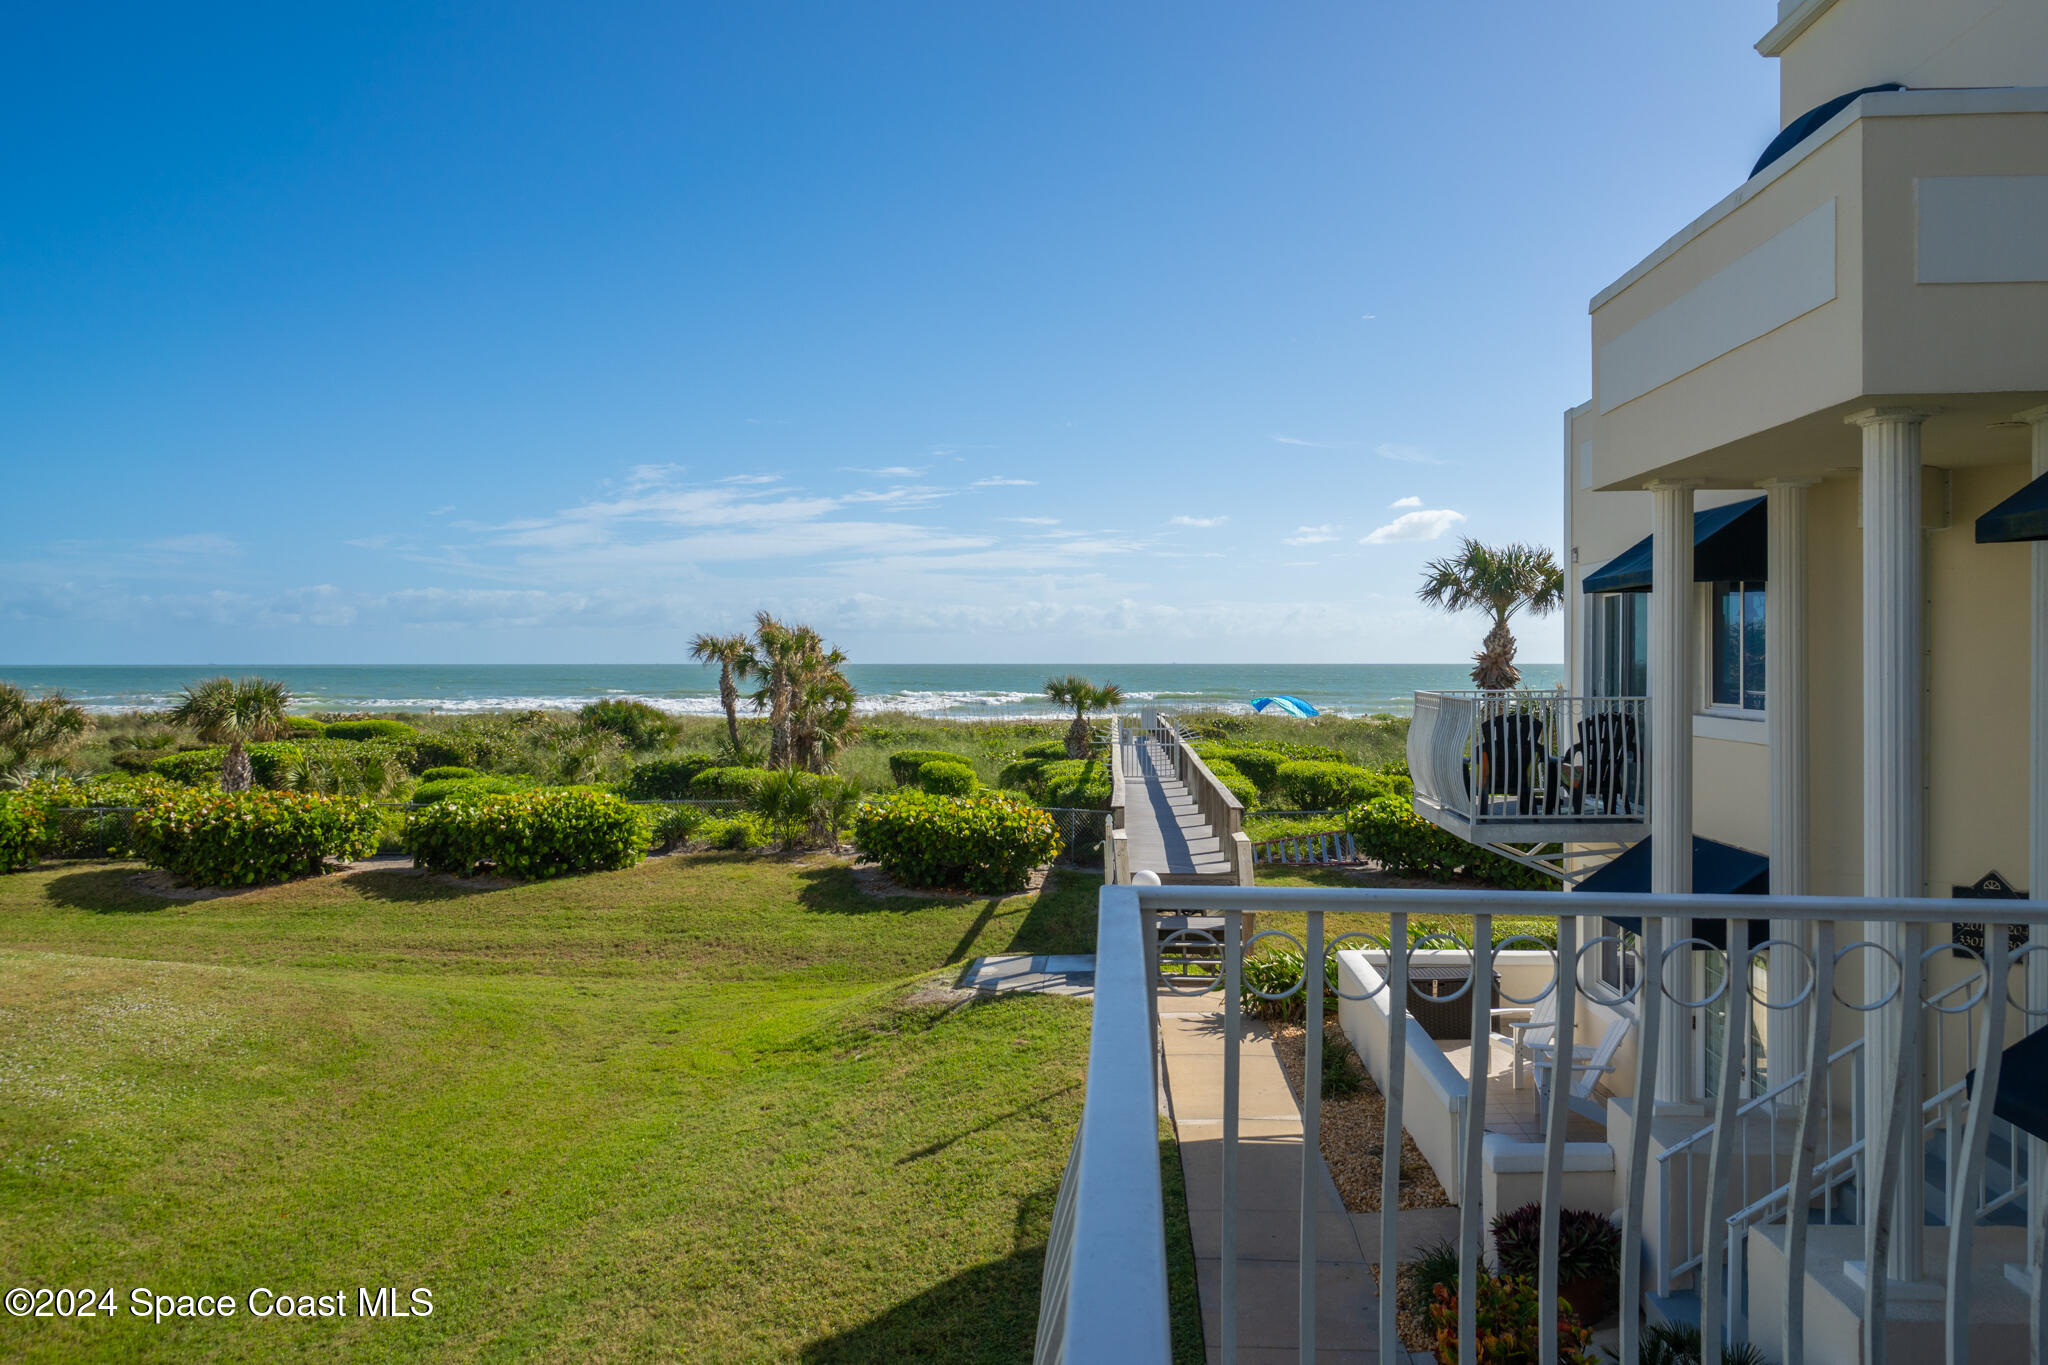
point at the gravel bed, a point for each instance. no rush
(1353, 1129)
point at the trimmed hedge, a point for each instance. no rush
(446, 774)
(305, 727)
(210, 838)
(727, 784)
(23, 828)
(395, 730)
(1388, 831)
(1307, 784)
(1071, 783)
(987, 842)
(1262, 766)
(665, 779)
(532, 834)
(1045, 748)
(947, 777)
(428, 793)
(905, 763)
(73, 831)
(1235, 782)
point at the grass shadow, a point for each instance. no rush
(404, 885)
(105, 891)
(934, 1148)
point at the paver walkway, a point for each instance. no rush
(1163, 826)
(1056, 974)
(1270, 1151)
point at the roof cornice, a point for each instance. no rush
(1794, 22)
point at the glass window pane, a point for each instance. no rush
(1753, 647)
(1637, 683)
(1727, 657)
(1609, 643)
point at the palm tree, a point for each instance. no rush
(36, 730)
(780, 649)
(734, 655)
(1084, 696)
(234, 712)
(1502, 580)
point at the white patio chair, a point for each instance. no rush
(1589, 1064)
(1538, 1029)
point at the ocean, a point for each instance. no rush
(952, 691)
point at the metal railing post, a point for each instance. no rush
(1716, 1286)
(1390, 1142)
(1233, 1042)
(1962, 1206)
(1472, 1178)
(1562, 1055)
(1809, 1140)
(1311, 1129)
(1643, 1109)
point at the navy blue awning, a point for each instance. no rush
(1809, 123)
(2022, 1098)
(1718, 869)
(2023, 516)
(1728, 542)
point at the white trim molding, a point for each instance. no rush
(1741, 727)
(1794, 18)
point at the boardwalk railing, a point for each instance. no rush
(1106, 1267)
(1221, 811)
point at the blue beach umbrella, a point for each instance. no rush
(1286, 706)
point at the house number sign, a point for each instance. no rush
(1967, 937)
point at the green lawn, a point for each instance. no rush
(690, 1110)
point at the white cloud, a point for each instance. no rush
(1311, 535)
(997, 481)
(1317, 445)
(1032, 521)
(893, 471)
(1203, 522)
(745, 479)
(1405, 502)
(1400, 454)
(1424, 525)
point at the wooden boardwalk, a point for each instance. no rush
(1164, 824)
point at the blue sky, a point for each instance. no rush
(508, 333)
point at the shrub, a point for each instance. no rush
(305, 727)
(1045, 748)
(730, 784)
(370, 729)
(72, 830)
(1678, 1343)
(269, 761)
(531, 834)
(736, 833)
(210, 838)
(905, 763)
(23, 828)
(641, 726)
(1309, 785)
(1508, 1325)
(428, 793)
(1262, 766)
(1278, 970)
(1342, 1077)
(1588, 1254)
(1433, 1265)
(1072, 783)
(986, 842)
(1388, 831)
(671, 827)
(1235, 782)
(947, 777)
(665, 779)
(447, 774)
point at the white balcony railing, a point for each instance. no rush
(1511, 767)
(1106, 1280)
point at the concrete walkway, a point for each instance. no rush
(1056, 974)
(1270, 1151)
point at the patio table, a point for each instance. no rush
(1444, 1019)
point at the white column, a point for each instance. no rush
(2037, 832)
(1671, 684)
(1786, 702)
(1894, 786)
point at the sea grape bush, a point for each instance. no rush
(641, 726)
(1235, 782)
(987, 842)
(396, 730)
(213, 838)
(530, 835)
(1388, 831)
(441, 789)
(1067, 783)
(665, 779)
(726, 784)
(1306, 784)
(22, 830)
(905, 764)
(269, 761)
(448, 774)
(947, 777)
(73, 828)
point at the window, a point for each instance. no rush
(1621, 644)
(1619, 962)
(1736, 678)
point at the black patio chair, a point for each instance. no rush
(1610, 763)
(1510, 756)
